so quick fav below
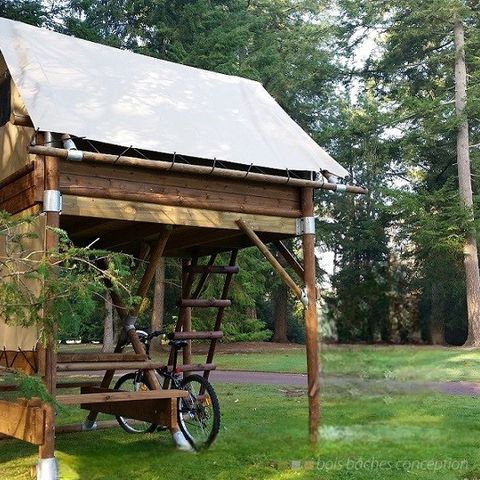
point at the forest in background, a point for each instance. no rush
(373, 83)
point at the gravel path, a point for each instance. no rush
(332, 384)
(300, 380)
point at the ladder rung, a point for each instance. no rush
(196, 335)
(213, 268)
(204, 303)
(198, 367)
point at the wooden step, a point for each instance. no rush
(80, 366)
(198, 367)
(196, 335)
(226, 269)
(100, 357)
(203, 303)
(91, 395)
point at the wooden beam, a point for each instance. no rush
(196, 335)
(290, 258)
(100, 357)
(155, 255)
(21, 120)
(100, 395)
(282, 273)
(311, 322)
(196, 169)
(152, 213)
(106, 366)
(28, 168)
(161, 411)
(51, 242)
(23, 420)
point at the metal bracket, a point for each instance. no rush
(305, 226)
(304, 298)
(52, 201)
(75, 155)
(130, 323)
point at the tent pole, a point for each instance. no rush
(311, 322)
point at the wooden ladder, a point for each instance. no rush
(190, 299)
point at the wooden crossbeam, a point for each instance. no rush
(102, 395)
(100, 357)
(290, 258)
(106, 366)
(24, 420)
(171, 215)
(282, 273)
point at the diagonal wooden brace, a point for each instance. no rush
(282, 273)
(129, 316)
(290, 258)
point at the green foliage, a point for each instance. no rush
(390, 120)
(56, 289)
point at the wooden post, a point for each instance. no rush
(187, 314)
(51, 241)
(311, 322)
(47, 468)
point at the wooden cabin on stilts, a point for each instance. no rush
(131, 151)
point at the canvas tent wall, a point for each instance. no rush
(120, 98)
(18, 344)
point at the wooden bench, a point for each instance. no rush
(154, 406)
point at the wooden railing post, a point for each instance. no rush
(311, 321)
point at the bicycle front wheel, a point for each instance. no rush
(199, 412)
(130, 383)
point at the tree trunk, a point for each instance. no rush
(472, 275)
(158, 310)
(158, 297)
(436, 324)
(108, 345)
(280, 314)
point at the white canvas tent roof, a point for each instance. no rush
(117, 97)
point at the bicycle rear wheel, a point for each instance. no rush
(199, 412)
(130, 383)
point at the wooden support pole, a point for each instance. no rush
(51, 241)
(290, 259)
(187, 316)
(47, 467)
(47, 449)
(311, 322)
(282, 273)
(155, 255)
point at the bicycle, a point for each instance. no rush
(198, 414)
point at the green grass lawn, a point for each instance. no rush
(263, 436)
(375, 362)
(369, 430)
